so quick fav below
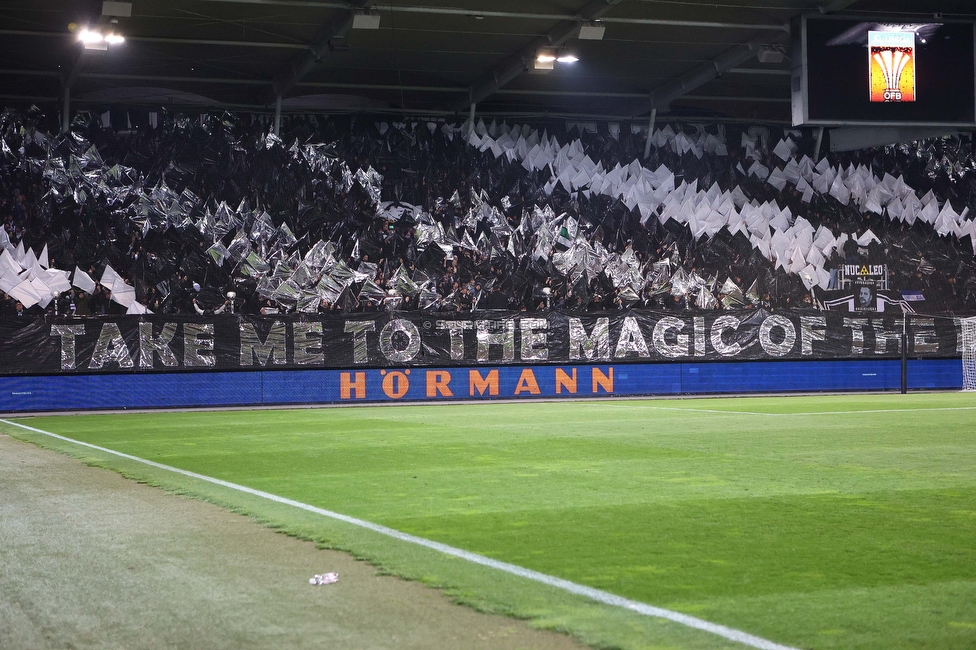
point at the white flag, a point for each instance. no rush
(83, 281)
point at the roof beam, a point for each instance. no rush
(366, 86)
(296, 69)
(835, 6)
(519, 15)
(29, 98)
(164, 39)
(174, 79)
(517, 63)
(424, 114)
(29, 73)
(777, 72)
(662, 96)
(736, 98)
(176, 40)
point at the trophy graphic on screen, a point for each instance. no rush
(891, 59)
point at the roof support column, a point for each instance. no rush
(277, 120)
(471, 120)
(67, 81)
(650, 132)
(66, 110)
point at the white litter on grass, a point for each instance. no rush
(324, 579)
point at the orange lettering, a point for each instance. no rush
(396, 385)
(437, 383)
(565, 381)
(527, 383)
(481, 384)
(603, 381)
(346, 386)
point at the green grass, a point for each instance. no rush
(811, 521)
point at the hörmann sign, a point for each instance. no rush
(513, 381)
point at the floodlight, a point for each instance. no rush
(544, 61)
(96, 39)
(592, 32)
(88, 36)
(771, 54)
(122, 9)
(545, 58)
(366, 21)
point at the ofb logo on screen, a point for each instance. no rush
(891, 59)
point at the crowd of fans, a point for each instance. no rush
(346, 214)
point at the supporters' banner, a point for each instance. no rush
(865, 294)
(161, 343)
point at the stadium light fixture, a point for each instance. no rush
(545, 59)
(88, 36)
(771, 54)
(120, 9)
(365, 20)
(95, 39)
(592, 31)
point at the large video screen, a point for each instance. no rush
(848, 71)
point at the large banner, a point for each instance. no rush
(389, 340)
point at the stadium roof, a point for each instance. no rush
(428, 57)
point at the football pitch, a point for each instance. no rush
(812, 522)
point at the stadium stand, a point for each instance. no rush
(359, 214)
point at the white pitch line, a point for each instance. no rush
(918, 410)
(692, 410)
(598, 595)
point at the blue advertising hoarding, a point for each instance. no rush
(390, 385)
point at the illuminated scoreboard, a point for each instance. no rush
(849, 71)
